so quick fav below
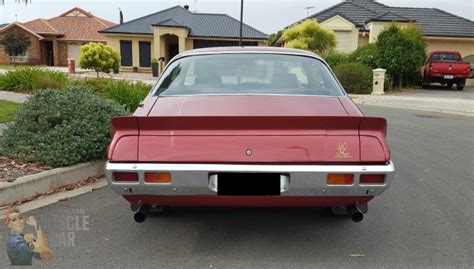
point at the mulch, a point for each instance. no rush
(11, 169)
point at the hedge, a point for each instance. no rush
(355, 77)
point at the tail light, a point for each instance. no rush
(372, 179)
(340, 179)
(156, 177)
(125, 176)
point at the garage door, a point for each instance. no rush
(73, 51)
(344, 39)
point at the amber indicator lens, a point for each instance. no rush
(340, 179)
(125, 176)
(372, 179)
(157, 177)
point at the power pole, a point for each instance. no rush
(241, 20)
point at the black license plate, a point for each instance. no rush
(248, 184)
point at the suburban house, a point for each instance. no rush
(358, 22)
(55, 40)
(171, 31)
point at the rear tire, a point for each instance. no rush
(460, 85)
(425, 85)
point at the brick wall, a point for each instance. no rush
(33, 52)
(62, 54)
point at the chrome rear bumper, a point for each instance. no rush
(296, 180)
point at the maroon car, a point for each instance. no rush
(249, 126)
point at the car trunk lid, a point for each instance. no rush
(254, 130)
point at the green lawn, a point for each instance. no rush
(7, 110)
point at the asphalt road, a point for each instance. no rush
(424, 220)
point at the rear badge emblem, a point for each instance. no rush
(248, 152)
(342, 151)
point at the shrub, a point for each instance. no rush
(367, 55)
(97, 85)
(308, 35)
(355, 77)
(31, 79)
(127, 93)
(401, 51)
(60, 128)
(335, 58)
(99, 57)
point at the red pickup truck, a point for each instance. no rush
(446, 68)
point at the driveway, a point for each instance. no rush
(442, 92)
(424, 220)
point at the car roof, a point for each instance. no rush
(250, 49)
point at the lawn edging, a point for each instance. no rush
(28, 186)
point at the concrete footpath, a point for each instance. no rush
(423, 103)
(15, 97)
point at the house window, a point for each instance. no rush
(145, 53)
(126, 52)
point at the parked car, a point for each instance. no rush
(445, 67)
(249, 127)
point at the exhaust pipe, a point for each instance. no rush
(355, 213)
(140, 215)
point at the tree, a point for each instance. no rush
(99, 57)
(367, 54)
(273, 38)
(308, 35)
(401, 51)
(15, 43)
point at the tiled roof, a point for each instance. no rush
(75, 24)
(390, 16)
(41, 26)
(432, 21)
(199, 24)
(80, 28)
(353, 13)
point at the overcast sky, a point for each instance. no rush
(266, 15)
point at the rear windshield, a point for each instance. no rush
(250, 73)
(446, 57)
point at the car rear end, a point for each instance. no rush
(249, 150)
(448, 68)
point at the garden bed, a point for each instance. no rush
(11, 169)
